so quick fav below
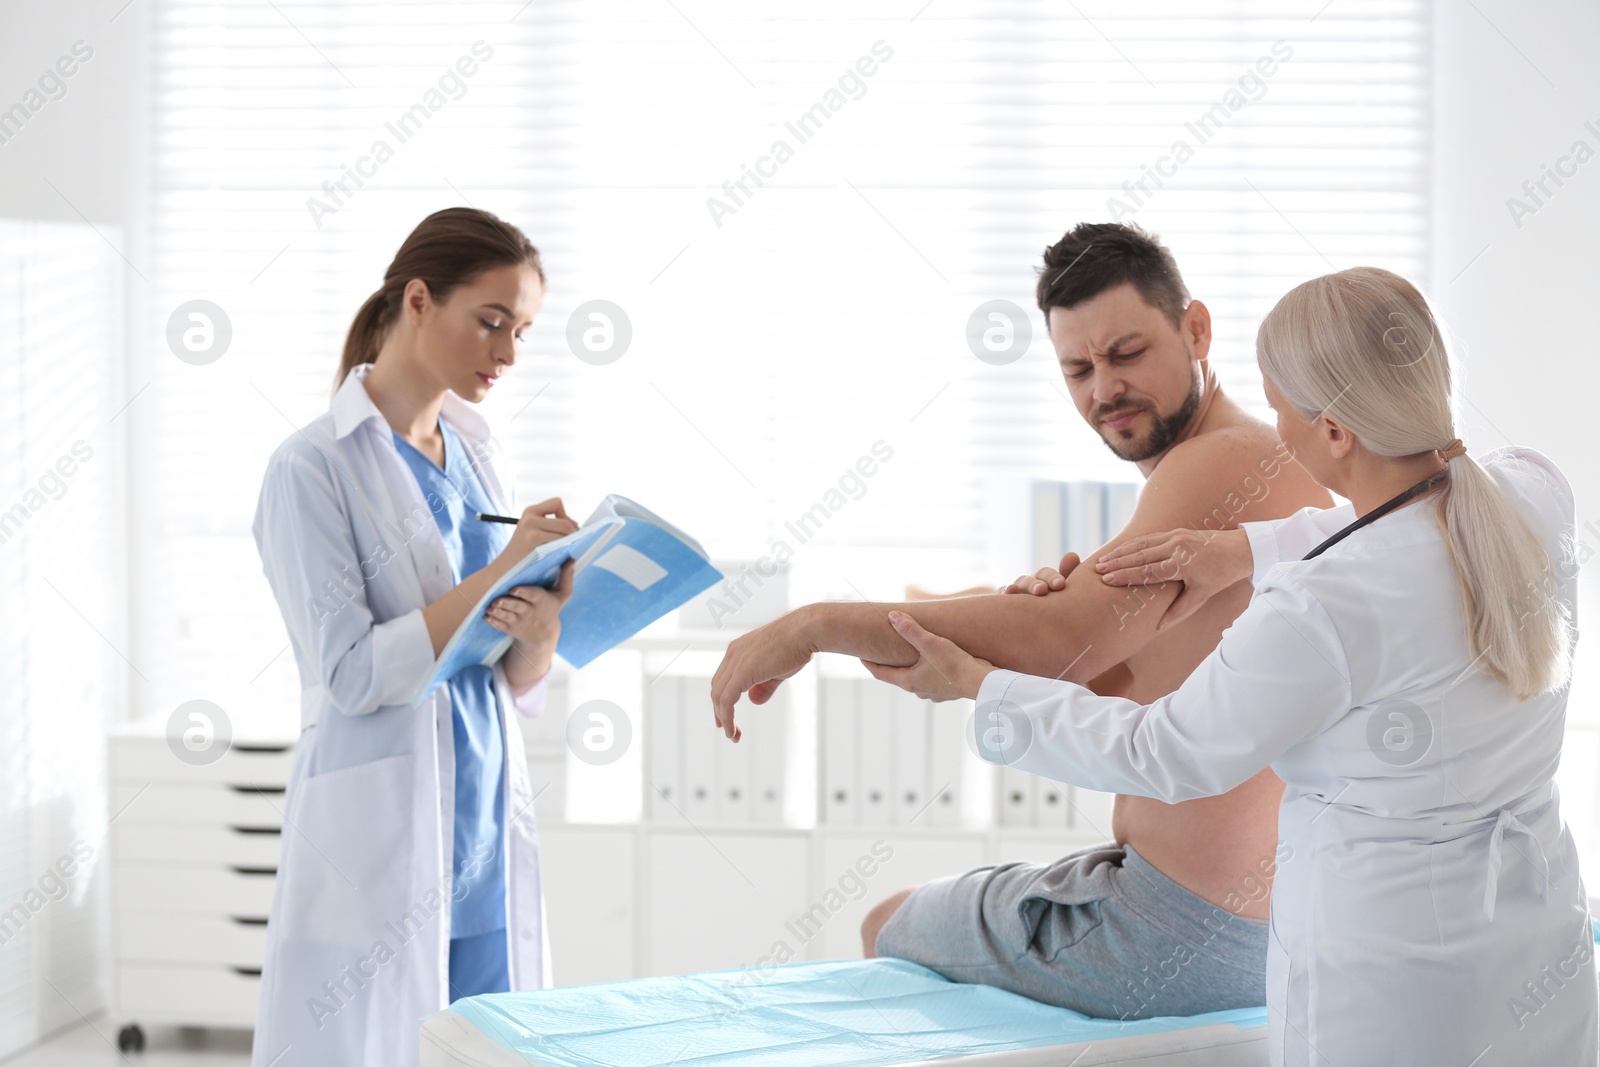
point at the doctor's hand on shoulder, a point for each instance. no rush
(1205, 561)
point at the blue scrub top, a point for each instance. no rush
(455, 496)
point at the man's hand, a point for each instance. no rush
(943, 671)
(1045, 580)
(757, 663)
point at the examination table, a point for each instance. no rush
(861, 1013)
(842, 1013)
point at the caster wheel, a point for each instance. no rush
(130, 1038)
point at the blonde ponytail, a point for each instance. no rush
(1363, 346)
(1514, 619)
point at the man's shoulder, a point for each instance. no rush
(1227, 451)
(1233, 474)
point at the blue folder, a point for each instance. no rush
(632, 568)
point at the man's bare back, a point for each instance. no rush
(1219, 848)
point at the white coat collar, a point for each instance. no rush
(352, 407)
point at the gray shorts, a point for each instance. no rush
(1100, 931)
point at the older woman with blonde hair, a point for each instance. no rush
(1403, 667)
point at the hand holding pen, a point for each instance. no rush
(540, 524)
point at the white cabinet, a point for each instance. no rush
(588, 874)
(194, 855)
(862, 868)
(1025, 846)
(722, 899)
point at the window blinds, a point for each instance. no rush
(798, 207)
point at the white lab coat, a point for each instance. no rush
(1427, 907)
(358, 940)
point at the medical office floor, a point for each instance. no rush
(94, 1044)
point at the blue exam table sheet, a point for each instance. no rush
(856, 1013)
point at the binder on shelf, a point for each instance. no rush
(1054, 804)
(700, 738)
(1016, 797)
(731, 767)
(910, 758)
(663, 734)
(1082, 517)
(1078, 516)
(1048, 536)
(837, 720)
(947, 754)
(1121, 500)
(769, 757)
(875, 756)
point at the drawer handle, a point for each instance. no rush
(277, 830)
(238, 869)
(248, 972)
(248, 920)
(237, 747)
(258, 788)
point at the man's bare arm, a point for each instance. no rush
(1084, 629)
(1214, 481)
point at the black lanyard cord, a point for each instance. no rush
(1381, 510)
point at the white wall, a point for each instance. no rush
(78, 158)
(90, 142)
(82, 157)
(1514, 85)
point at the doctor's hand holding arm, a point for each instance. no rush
(943, 670)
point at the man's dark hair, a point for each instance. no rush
(1096, 256)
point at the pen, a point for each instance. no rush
(486, 517)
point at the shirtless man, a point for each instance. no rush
(1170, 917)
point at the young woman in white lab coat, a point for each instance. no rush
(409, 873)
(1403, 667)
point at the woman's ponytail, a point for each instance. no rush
(367, 331)
(1363, 345)
(1515, 621)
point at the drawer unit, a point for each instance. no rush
(209, 996)
(193, 939)
(194, 856)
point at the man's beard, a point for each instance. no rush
(1164, 431)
